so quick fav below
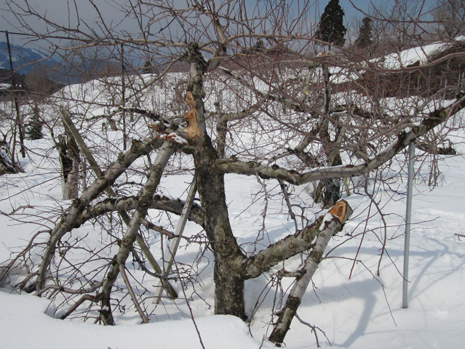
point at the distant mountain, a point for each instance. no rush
(24, 59)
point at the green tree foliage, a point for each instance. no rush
(331, 27)
(34, 126)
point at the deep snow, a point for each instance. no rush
(355, 313)
(360, 311)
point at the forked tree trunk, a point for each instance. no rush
(229, 287)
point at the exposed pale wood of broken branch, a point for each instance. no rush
(192, 130)
(341, 210)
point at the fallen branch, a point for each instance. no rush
(123, 214)
(67, 221)
(131, 234)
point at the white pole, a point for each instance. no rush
(407, 223)
(175, 243)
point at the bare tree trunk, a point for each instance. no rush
(69, 159)
(7, 163)
(229, 287)
(331, 188)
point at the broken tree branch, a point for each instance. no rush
(123, 214)
(67, 221)
(131, 234)
(331, 224)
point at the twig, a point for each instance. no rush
(190, 309)
(144, 268)
(133, 296)
(86, 297)
(288, 202)
(314, 328)
(69, 290)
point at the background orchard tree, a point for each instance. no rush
(401, 24)
(449, 16)
(282, 114)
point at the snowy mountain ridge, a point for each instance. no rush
(24, 59)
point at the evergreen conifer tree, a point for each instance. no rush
(34, 126)
(331, 27)
(148, 68)
(365, 34)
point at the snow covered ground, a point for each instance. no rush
(364, 311)
(356, 299)
(25, 325)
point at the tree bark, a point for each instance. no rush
(328, 226)
(7, 163)
(229, 286)
(130, 236)
(69, 159)
(67, 221)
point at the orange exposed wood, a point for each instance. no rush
(192, 130)
(339, 210)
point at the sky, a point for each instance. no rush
(57, 11)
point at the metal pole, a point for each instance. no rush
(123, 88)
(18, 122)
(407, 223)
